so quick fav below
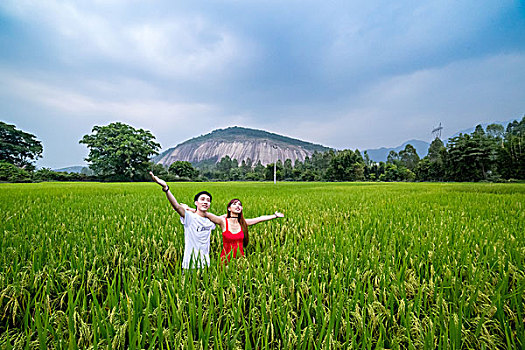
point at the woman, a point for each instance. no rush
(235, 228)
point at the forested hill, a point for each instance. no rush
(240, 143)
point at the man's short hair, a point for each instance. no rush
(201, 193)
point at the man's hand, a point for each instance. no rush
(159, 181)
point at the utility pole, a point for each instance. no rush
(436, 132)
(275, 169)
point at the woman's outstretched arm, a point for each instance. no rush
(170, 196)
(254, 221)
(218, 220)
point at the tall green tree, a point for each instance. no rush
(431, 168)
(320, 163)
(435, 150)
(391, 172)
(468, 157)
(456, 166)
(245, 167)
(496, 131)
(393, 157)
(18, 147)
(298, 169)
(395, 167)
(288, 169)
(409, 157)
(346, 165)
(268, 172)
(120, 151)
(227, 169)
(12, 173)
(225, 164)
(375, 170)
(511, 157)
(258, 171)
(183, 169)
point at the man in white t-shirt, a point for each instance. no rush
(197, 228)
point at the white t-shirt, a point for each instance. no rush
(197, 231)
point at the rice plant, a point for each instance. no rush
(352, 265)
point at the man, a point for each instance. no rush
(197, 228)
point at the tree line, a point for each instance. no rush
(492, 154)
(119, 152)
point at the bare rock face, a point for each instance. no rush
(241, 144)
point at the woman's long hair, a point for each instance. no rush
(242, 222)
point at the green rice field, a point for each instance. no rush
(352, 265)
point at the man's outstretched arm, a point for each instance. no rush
(170, 195)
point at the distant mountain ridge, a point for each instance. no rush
(381, 154)
(79, 169)
(239, 143)
(484, 125)
(71, 169)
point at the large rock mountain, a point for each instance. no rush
(241, 144)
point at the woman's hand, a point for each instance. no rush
(186, 207)
(159, 181)
(256, 220)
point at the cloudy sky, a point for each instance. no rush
(345, 74)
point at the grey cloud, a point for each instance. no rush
(355, 74)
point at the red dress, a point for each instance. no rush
(231, 244)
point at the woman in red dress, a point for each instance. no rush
(235, 229)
